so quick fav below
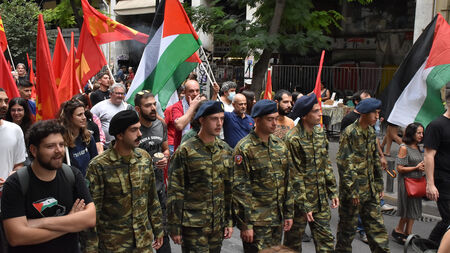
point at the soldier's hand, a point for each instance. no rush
(176, 239)
(288, 224)
(355, 201)
(309, 217)
(381, 195)
(334, 203)
(247, 235)
(161, 164)
(432, 192)
(228, 232)
(158, 243)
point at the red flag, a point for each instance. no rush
(69, 85)
(3, 41)
(268, 92)
(106, 30)
(46, 100)
(6, 79)
(317, 88)
(59, 57)
(90, 59)
(32, 77)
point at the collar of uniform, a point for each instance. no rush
(213, 147)
(257, 141)
(361, 131)
(115, 156)
(302, 131)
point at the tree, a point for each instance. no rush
(20, 22)
(279, 25)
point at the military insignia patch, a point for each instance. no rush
(238, 159)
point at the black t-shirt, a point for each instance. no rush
(44, 199)
(437, 137)
(93, 128)
(349, 119)
(98, 96)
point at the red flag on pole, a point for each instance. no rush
(268, 92)
(317, 88)
(46, 100)
(6, 79)
(106, 30)
(89, 58)
(69, 85)
(3, 41)
(59, 57)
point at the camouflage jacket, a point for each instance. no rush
(128, 210)
(262, 189)
(200, 186)
(358, 161)
(313, 181)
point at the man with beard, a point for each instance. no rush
(154, 140)
(237, 124)
(199, 206)
(12, 144)
(122, 184)
(283, 98)
(45, 204)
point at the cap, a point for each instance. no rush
(208, 108)
(121, 121)
(264, 107)
(303, 105)
(368, 105)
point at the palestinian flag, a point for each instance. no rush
(164, 63)
(414, 93)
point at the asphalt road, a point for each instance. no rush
(422, 228)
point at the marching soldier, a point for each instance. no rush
(199, 205)
(261, 191)
(361, 181)
(312, 171)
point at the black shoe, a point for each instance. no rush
(398, 237)
(306, 238)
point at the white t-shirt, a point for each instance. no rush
(227, 107)
(105, 110)
(12, 147)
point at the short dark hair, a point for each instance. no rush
(142, 95)
(42, 129)
(410, 131)
(357, 96)
(279, 95)
(24, 83)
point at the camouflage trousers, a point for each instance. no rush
(320, 230)
(372, 220)
(201, 240)
(263, 237)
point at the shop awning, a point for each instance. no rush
(135, 7)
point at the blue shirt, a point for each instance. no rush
(32, 106)
(82, 153)
(235, 128)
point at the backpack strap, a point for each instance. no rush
(24, 179)
(68, 172)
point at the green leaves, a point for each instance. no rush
(61, 15)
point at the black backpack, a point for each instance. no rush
(24, 177)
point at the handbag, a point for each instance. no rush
(416, 187)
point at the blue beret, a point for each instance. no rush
(121, 121)
(208, 108)
(264, 107)
(368, 105)
(303, 106)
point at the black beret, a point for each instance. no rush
(208, 108)
(121, 121)
(303, 105)
(368, 105)
(264, 107)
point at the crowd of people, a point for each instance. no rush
(106, 176)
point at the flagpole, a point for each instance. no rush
(110, 72)
(12, 61)
(207, 62)
(207, 74)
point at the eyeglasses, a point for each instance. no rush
(142, 92)
(119, 93)
(17, 110)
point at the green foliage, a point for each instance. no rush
(61, 15)
(20, 22)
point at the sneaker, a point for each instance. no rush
(363, 237)
(386, 207)
(306, 238)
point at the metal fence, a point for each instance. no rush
(342, 80)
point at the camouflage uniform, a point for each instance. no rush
(360, 177)
(312, 175)
(199, 205)
(128, 212)
(262, 195)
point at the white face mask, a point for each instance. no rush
(231, 95)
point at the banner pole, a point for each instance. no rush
(12, 61)
(207, 62)
(110, 72)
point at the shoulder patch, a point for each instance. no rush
(238, 159)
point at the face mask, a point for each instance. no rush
(231, 95)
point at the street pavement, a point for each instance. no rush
(421, 228)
